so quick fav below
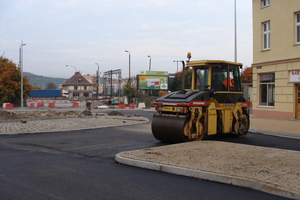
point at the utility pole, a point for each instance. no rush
(97, 93)
(21, 67)
(235, 34)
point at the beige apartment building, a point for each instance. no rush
(276, 59)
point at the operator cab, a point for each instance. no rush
(221, 77)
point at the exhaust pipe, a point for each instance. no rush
(183, 77)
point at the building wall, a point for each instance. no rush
(281, 15)
(282, 57)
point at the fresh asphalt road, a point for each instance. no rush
(80, 165)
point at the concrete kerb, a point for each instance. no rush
(210, 176)
(276, 134)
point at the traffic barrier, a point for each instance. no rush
(131, 105)
(4, 104)
(9, 106)
(51, 105)
(31, 105)
(142, 105)
(40, 105)
(75, 104)
(122, 106)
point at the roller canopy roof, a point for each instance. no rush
(195, 63)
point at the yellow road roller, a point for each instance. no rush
(213, 105)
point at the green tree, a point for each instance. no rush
(50, 86)
(36, 87)
(246, 76)
(129, 91)
(177, 84)
(10, 82)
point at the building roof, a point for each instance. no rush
(77, 79)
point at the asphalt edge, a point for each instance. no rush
(210, 176)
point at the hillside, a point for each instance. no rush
(42, 81)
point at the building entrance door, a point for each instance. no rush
(298, 102)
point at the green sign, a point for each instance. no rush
(153, 82)
(154, 73)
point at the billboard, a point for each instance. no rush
(155, 81)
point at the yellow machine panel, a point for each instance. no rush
(212, 119)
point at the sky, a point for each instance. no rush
(80, 33)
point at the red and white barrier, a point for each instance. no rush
(9, 106)
(122, 106)
(131, 105)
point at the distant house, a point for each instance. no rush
(93, 79)
(78, 87)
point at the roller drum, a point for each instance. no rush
(168, 129)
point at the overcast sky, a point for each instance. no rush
(84, 32)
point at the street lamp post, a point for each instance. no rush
(72, 66)
(149, 63)
(97, 81)
(21, 67)
(235, 34)
(129, 62)
(177, 63)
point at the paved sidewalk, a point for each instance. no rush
(282, 128)
(43, 125)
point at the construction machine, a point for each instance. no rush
(213, 105)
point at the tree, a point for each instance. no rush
(36, 87)
(10, 82)
(162, 93)
(129, 91)
(50, 86)
(177, 84)
(246, 76)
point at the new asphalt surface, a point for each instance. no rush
(271, 170)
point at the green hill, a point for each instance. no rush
(42, 81)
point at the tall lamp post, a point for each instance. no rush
(177, 63)
(97, 81)
(21, 66)
(149, 63)
(129, 63)
(235, 37)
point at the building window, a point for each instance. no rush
(265, 3)
(298, 28)
(267, 89)
(266, 35)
